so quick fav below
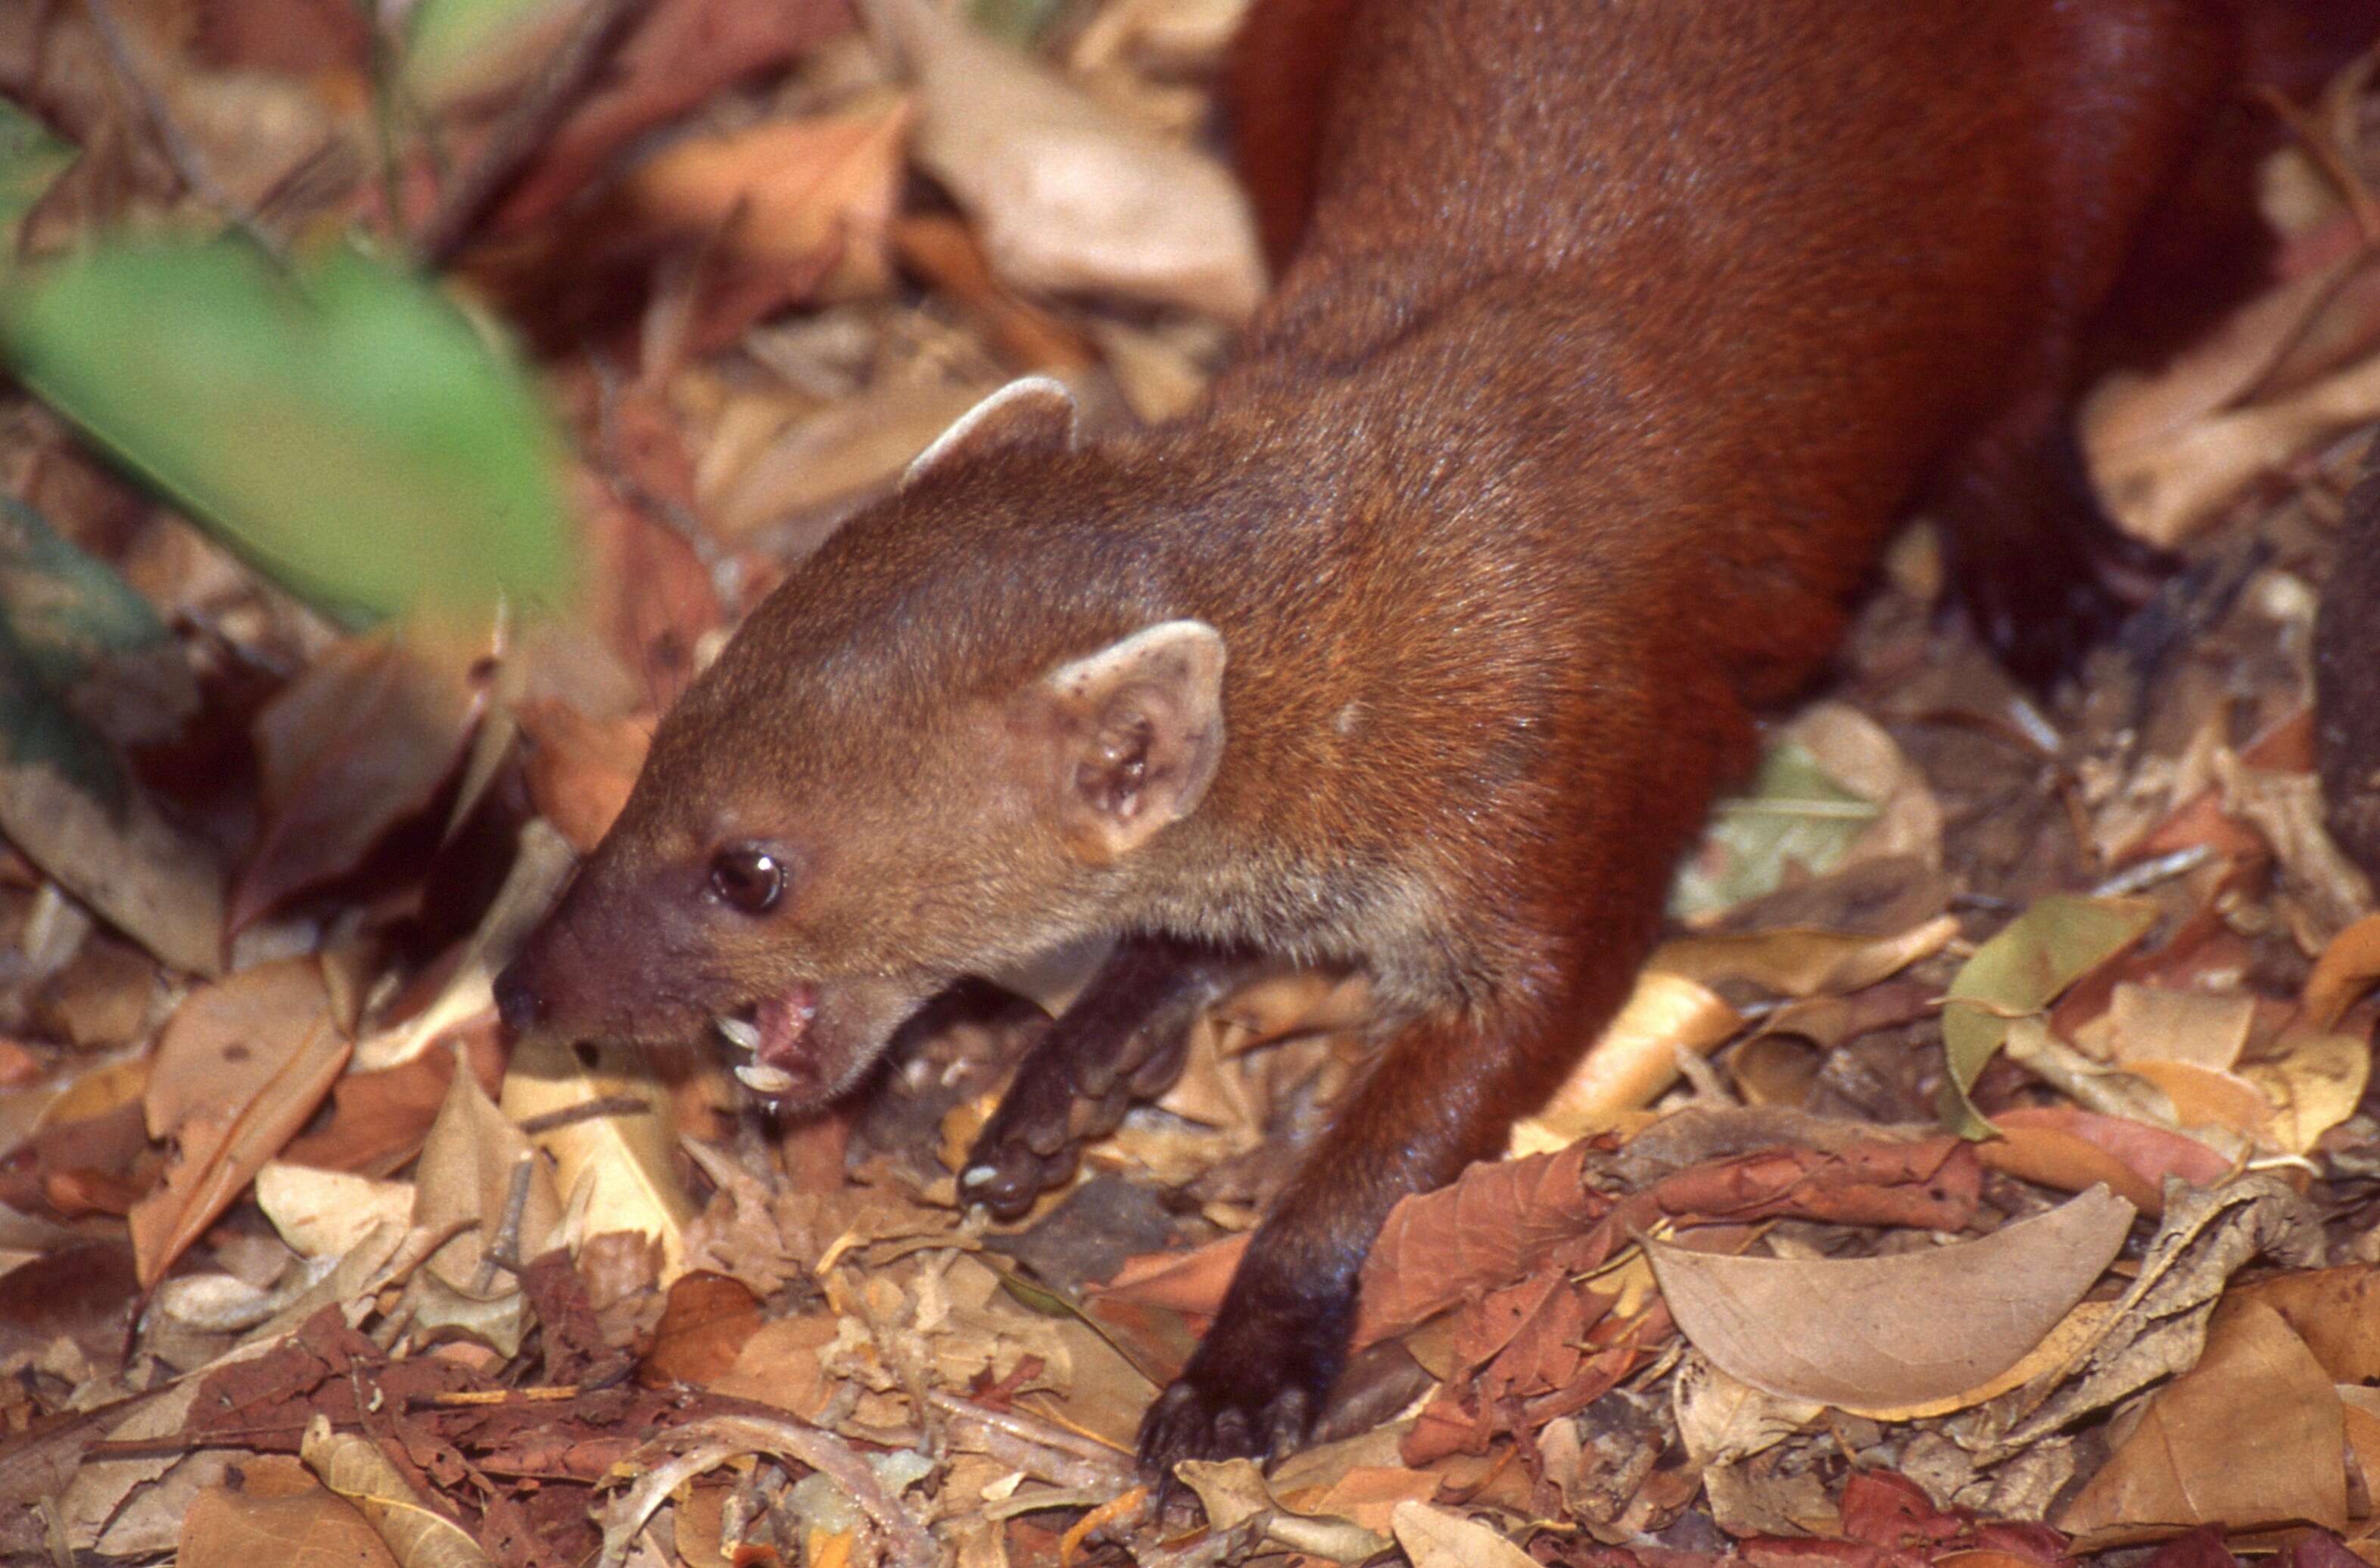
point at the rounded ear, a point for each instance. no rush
(1137, 729)
(1033, 411)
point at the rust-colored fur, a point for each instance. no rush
(1620, 335)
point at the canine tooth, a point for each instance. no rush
(738, 1033)
(761, 1079)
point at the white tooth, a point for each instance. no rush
(738, 1033)
(977, 1175)
(764, 1080)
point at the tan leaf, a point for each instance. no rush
(1437, 1538)
(1868, 1330)
(1066, 195)
(2253, 1435)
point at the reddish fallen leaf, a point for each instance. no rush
(1934, 1185)
(1493, 1225)
(705, 1322)
(2149, 1153)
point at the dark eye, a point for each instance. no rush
(747, 878)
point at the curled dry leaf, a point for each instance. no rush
(1869, 1330)
(355, 1469)
(1066, 195)
(2160, 1325)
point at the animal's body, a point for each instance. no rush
(1618, 335)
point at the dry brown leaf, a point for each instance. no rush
(780, 1365)
(1861, 755)
(617, 1171)
(470, 1165)
(2346, 968)
(268, 1519)
(2202, 1096)
(1066, 195)
(843, 451)
(2251, 1436)
(2335, 1311)
(1869, 1330)
(2131, 417)
(2204, 1238)
(2151, 1023)
(2166, 491)
(1368, 1495)
(239, 1069)
(2059, 1146)
(159, 885)
(327, 1213)
(1437, 1538)
(465, 996)
(2312, 1082)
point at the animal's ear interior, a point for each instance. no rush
(1137, 730)
(1032, 411)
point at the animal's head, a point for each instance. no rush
(928, 753)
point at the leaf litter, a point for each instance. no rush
(404, 1295)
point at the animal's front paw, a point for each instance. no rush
(1029, 1145)
(1243, 1411)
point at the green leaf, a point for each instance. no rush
(345, 431)
(30, 158)
(2022, 970)
(1795, 813)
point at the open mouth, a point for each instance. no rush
(775, 1041)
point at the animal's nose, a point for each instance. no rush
(518, 1002)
